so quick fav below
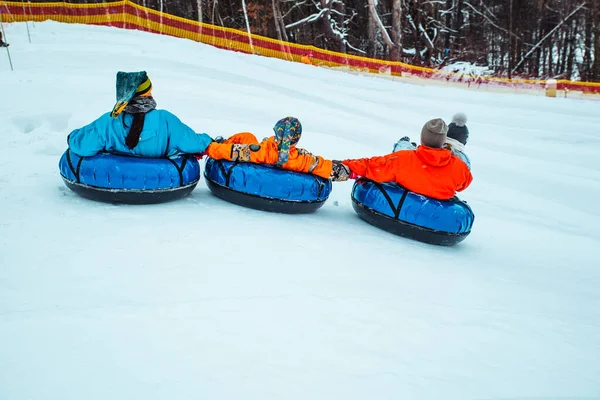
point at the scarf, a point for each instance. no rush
(140, 105)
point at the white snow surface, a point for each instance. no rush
(202, 299)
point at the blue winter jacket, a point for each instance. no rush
(163, 135)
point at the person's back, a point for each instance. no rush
(429, 170)
(433, 172)
(162, 135)
(135, 127)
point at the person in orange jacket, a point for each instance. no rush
(431, 169)
(279, 150)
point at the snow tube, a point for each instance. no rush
(127, 179)
(391, 207)
(266, 188)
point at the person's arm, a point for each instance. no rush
(463, 157)
(465, 177)
(89, 140)
(183, 138)
(237, 152)
(379, 169)
(303, 161)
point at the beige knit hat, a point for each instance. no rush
(433, 133)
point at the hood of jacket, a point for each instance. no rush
(433, 157)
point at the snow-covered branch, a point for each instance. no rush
(297, 4)
(309, 19)
(542, 40)
(384, 33)
(488, 19)
(428, 41)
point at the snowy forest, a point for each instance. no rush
(513, 38)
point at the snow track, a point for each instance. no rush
(203, 299)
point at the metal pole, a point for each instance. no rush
(4, 36)
(31, 14)
(248, 26)
(28, 34)
(26, 24)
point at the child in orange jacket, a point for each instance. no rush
(279, 150)
(431, 169)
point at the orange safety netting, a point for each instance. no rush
(125, 14)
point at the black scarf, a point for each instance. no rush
(138, 107)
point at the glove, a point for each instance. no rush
(407, 139)
(304, 152)
(339, 172)
(219, 139)
(241, 152)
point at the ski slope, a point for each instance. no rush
(202, 299)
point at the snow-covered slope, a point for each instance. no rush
(201, 299)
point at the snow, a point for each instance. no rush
(200, 298)
(462, 70)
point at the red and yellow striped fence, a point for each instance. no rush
(127, 15)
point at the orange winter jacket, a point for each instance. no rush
(435, 173)
(299, 160)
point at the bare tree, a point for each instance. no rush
(393, 41)
(332, 21)
(596, 65)
(278, 17)
(547, 36)
(516, 38)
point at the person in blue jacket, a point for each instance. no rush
(135, 127)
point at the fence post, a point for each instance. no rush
(551, 88)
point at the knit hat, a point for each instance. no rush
(130, 85)
(433, 133)
(287, 133)
(457, 130)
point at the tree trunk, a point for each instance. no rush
(372, 42)
(386, 37)
(396, 31)
(458, 22)
(587, 55)
(596, 66)
(448, 22)
(278, 19)
(340, 7)
(550, 59)
(510, 40)
(572, 43)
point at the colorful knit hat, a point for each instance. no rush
(129, 85)
(287, 134)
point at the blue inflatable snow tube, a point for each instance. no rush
(405, 213)
(265, 187)
(127, 179)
